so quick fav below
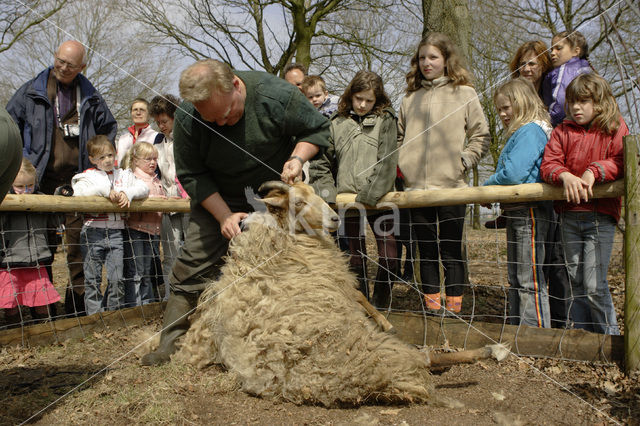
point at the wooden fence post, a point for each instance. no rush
(632, 254)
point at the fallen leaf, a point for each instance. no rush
(498, 396)
(610, 388)
(390, 412)
(553, 370)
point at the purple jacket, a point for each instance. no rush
(555, 85)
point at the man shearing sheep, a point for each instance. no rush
(236, 129)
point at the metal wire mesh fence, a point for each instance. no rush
(410, 261)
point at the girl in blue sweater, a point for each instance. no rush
(527, 126)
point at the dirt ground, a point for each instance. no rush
(98, 379)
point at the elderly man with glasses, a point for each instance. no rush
(57, 112)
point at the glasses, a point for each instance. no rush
(69, 65)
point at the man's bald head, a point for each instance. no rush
(200, 79)
(70, 60)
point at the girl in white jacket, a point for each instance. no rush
(102, 234)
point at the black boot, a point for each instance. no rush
(12, 320)
(176, 323)
(382, 295)
(74, 304)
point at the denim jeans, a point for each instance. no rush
(101, 246)
(139, 252)
(587, 239)
(526, 235)
(556, 273)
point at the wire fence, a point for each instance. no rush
(93, 273)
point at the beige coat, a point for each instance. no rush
(442, 133)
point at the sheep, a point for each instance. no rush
(286, 318)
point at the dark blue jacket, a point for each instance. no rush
(33, 113)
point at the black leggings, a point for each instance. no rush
(439, 234)
(385, 240)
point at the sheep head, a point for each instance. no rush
(298, 208)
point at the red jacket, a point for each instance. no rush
(574, 149)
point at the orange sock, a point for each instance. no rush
(454, 303)
(432, 301)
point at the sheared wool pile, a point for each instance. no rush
(281, 318)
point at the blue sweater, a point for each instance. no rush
(521, 156)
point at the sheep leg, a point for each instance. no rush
(447, 359)
(384, 324)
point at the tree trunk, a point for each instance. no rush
(450, 17)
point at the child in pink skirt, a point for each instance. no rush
(24, 280)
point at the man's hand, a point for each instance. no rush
(230, 224)
(292, 170)
(575, 188)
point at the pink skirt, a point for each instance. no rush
(27, 286)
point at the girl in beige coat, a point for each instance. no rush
(442, 134)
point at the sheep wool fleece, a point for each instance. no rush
(281, 320)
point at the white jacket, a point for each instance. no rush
(98, 182)
(167, 166)
(125, 141)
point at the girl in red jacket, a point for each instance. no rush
(586, 149)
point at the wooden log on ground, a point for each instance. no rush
(74, 328)
(525, 341)
(58, 203)
(632, 254)
(480, 195)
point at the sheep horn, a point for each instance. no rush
(273, 184)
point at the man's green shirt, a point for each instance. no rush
(227, 159)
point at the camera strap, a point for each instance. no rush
(78, 95)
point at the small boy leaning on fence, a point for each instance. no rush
(102, 234)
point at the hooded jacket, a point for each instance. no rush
(33, 113)
(24, 239)
(554, 86)
(361, 155)
(97, 182)
(574, 149)
(442, 134)
(520, 159)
